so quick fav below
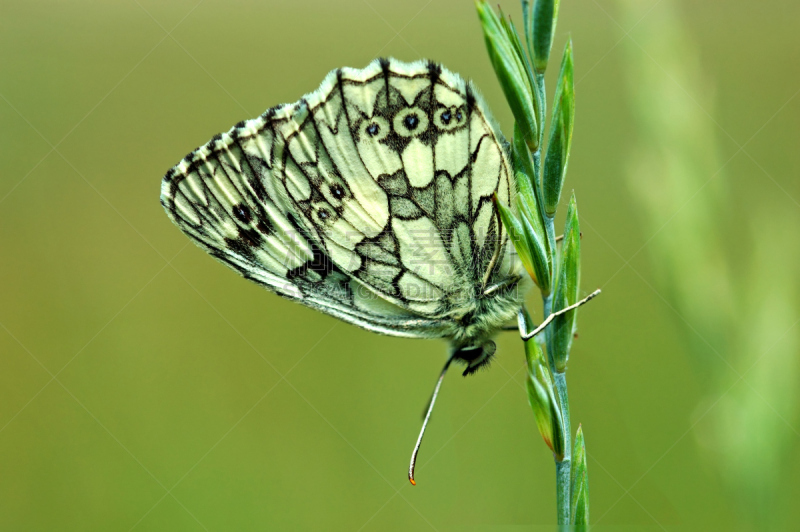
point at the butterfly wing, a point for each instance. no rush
(225, 196)
(395, 166)
(369, 199)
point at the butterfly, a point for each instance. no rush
(369, 199)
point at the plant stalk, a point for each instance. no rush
(563, 467)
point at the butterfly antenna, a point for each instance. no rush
(425, 421)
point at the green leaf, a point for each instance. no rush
(521, 157)
(536, 241)
(511, 69)
(527, 23)
(542, 395)
(580, 483)
(530, 214)
(518, 237)
(542, 29)
(555, 163)
(519, 50)
(566, 289)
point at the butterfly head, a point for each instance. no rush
(475, 357)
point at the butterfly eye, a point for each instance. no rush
(374, 129)
(410, 122)
(448, 118)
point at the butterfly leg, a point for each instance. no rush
(526, 335)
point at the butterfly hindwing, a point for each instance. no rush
(217, 196)
(225, 196)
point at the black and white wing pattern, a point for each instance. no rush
(370, 199)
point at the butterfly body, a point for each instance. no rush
(369, 199)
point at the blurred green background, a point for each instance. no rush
(144, 386)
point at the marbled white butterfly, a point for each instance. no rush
(370, 199)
